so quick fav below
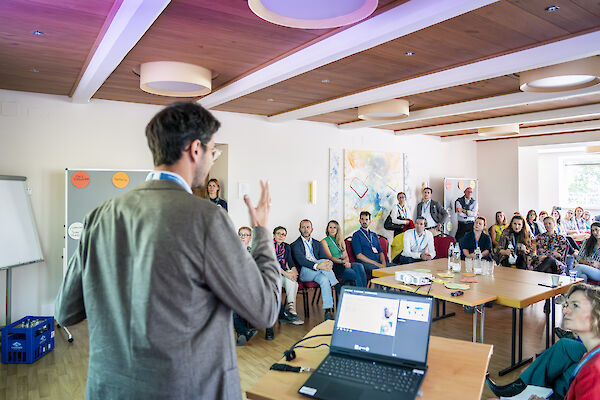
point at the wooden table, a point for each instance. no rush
(511, 287)
(456, 369)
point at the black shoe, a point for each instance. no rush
(287, 317)
(269, 334)
(250, 334)
(512, 389)
(328, 315)
(561, 333)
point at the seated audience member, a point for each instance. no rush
(550, 249)
(315, 266)
(541, 217)
(587, 219)
(514, 245)
(418, 244)
(497, 228)
(399, 218)
(466, 208)
(560, 228)
(244, 332)
(335, 249)
(562, 366)
(366, 246)
(477, 238)
(435, 215)
(569, 223)
(532, 223)
(588, 259)
(213, 188)
(579, 221)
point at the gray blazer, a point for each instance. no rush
(157, 273)
(438, 213)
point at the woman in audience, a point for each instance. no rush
(243, 330)
(532, 224)
(588, 259)
(477, 238)
(579, 221)
(541, 217)
(497, 228)
(569, 223)
(514, 245)
(570, 367)
(335, 249)
(550, 250)
(289, 272)
(399, 218)
(587, 218)
(560, 228)
(213, 188)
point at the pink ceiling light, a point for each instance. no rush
(313, 14)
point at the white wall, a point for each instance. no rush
(41, 135)
(528, 179)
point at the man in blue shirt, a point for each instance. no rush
(366, 246)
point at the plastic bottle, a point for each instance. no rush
(477, 262)
(450, 255)
(457, 262)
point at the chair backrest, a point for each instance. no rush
(397, 245)
(348, 242)
(384, 246)
(441, 244)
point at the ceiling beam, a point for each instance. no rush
(587, 111)
(536, 130)
(128, 25)
(473, 106)
(581, 46)
(402, 20)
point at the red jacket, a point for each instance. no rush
(586, 384)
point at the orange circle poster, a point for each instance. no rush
(120, 180)
(80, 179)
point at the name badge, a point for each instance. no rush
(374, 250)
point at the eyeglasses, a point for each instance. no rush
(216, 153)
(243, 235)
(281, 234)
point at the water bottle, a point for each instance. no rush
(477, 262)
(450, 256)
(456, 258)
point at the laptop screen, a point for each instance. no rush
(380, 323)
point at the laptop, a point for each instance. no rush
(378, 347)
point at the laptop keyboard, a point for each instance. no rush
(379, 376)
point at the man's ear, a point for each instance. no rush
(196, 149)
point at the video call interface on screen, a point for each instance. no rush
(387, 324)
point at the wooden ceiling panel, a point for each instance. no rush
(484, 33)
(561, 121)
(572, 16)
(224, 36)
(70, 28)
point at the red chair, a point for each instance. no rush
(442, 244)
(348, 242)
(384, 246)
(303, 289)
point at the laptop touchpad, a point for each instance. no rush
(346, 391)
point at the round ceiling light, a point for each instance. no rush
(499, 131)
(384, 110)
(313, 14)
(175, 79)
(571, 75)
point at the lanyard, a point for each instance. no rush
(587, 358)
(514, 241)
(476, 241)
(309, 247)
(552, 245)
(426, 207)
(422, 240)
(334, 243)
(168, 176)
(368, 237)
(402, 211)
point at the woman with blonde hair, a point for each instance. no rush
(335, 249)
(496, 229)
(213, 189)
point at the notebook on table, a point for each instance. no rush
(378, 347)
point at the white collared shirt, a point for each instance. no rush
(171, 176)
(427, 214)
(415, 245)
(309, 251)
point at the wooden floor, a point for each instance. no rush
(62, 373)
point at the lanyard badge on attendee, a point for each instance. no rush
(370, 242)
(402, 211)
(426, 206)
(422, 240)
(308, 245)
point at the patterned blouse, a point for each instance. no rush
(546, 243)
(593, 256)
(508, 240)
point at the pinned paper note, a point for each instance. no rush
(468, 279)
(422, 270)
(457, 286)
(445, 274)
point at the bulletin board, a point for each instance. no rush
(85, 189)
(453, 189)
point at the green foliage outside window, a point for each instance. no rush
(583, 185)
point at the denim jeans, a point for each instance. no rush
(356, 273)
(325, 279)
(370, 267)
(587, 272)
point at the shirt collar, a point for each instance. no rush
(169, 175)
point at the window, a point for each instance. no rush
(581, 182)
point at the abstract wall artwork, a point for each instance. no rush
(371, 181)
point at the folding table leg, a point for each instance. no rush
(520, 362)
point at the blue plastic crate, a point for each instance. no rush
(27, 340)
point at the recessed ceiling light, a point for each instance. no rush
(37, 33)
(409, 53)
(313, 14)
(34, 70)
(269, 99)
(571, 75)
(552, 8)
(384, 110)
(325, 81)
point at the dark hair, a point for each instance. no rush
(304, 220)
(428, 188)
(500, 212)
(423, 218)
(171, 130)
(522, 236)
(399, 193)
(590, 243)
(278, 228)
(368, 214)
(481, 218)
(529, 213)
